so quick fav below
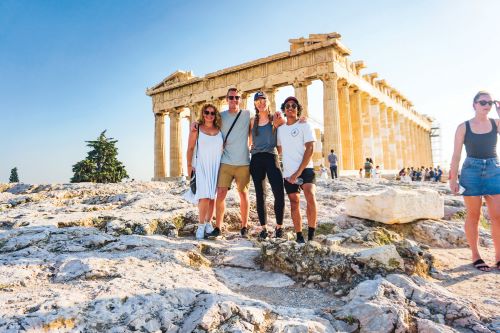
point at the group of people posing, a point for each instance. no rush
(231, 146)
(421, 174)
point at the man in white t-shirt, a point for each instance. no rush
(295, 144)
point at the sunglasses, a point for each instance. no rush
(212, 113)
(483, 103)
(291, 106)
(233, 97)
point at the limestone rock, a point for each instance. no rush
(386, 256)
(396, 205)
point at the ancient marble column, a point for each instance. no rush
(367, 127)
(300, 88)
(331, 117)
(414, 144)
(345, 126)
(392, 139)
(357, 128)
(409, 144)
(377, 140)
(244, 102)
(194, 111)
(159, 166)
(384, 135)
(271, 99)
(175, 144)
(400, 140)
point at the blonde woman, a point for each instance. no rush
(203, 155)
(480, 176)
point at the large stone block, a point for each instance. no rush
(392, 205)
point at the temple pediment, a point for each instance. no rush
(175, 78)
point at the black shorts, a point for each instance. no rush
(307, 175)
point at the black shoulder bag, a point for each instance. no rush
(192, 181)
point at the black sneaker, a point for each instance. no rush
(300, 239)
(263, 234)
(278, 233)
(244, 232)
(214, 234)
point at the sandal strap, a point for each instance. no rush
(478, 262)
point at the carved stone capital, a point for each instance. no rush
(329, 77)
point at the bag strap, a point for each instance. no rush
(231, 128)
(197, 136)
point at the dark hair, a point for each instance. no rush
(299, 108)
(479, 94)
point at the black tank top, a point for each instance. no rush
(481, 145)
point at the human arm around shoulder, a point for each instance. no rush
(190, 150)
(193, 127)
(455, 160)
(497, 106)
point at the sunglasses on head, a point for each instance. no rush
(212, 113)
(291, 106)
(483, 103)
(233, 97)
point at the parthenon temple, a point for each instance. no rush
(363, 116)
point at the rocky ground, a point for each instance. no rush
(122, 257)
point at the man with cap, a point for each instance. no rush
(295, 143)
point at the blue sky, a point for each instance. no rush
(70, 69)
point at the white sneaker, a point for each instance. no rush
(208, 228)
(200, 231)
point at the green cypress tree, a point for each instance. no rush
(14, 178)
(101, 164)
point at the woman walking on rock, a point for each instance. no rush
(480, 176)
(203, 155)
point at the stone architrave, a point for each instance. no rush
(300, 88)
(392, 205)
(175, 144)
(331, 117)
(345, 127)
(159, 148)
(357, 128)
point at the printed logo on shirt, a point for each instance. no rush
(295, 132)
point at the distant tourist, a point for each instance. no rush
(360, 172)
(368, 167)
(323, 172)
(480, 176)
(295, 142)
(235, 160)
(438, 174)
(203, 156)
(332, 159)
(265, 163)
(375, 172)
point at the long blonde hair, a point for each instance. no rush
(217, 120)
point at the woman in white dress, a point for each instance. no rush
(203, 155)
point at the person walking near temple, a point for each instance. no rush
(295, 143)
(332, 159)
(203, 156)
(265, 163)
(480, 176)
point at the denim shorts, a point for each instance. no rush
(480, 176)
